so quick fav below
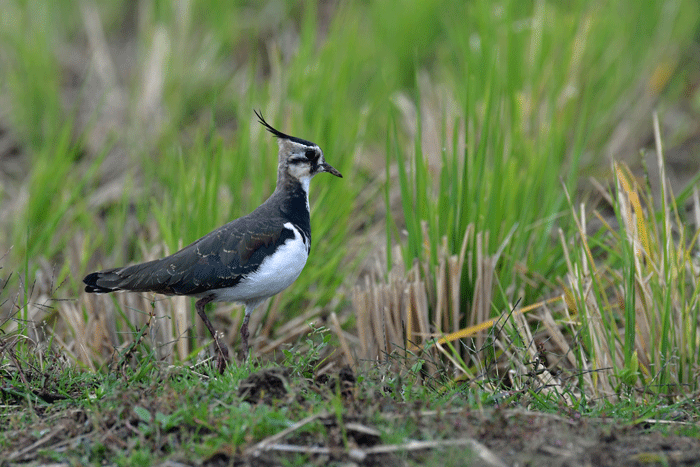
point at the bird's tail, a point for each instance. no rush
(143, 277)
(92, 286)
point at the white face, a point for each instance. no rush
(304, 162)
(299, 158)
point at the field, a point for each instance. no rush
(508, 272)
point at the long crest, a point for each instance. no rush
(279, 134)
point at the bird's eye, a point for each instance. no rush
(311, 154)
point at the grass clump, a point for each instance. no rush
(639, 309)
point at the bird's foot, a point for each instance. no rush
(222, 356)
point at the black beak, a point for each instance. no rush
(326, 167)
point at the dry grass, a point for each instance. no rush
(641, 315)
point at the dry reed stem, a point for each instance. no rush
(343, 342)
(408, 309)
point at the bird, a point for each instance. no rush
(248, 260)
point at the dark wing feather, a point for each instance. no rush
(218, 260)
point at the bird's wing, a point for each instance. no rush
(220, 259)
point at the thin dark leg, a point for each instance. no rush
(221, 349)
(244, 332)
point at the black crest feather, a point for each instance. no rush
(279, 134)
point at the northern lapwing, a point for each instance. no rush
(247, 260)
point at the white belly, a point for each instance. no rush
(276, 273)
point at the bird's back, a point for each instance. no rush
(220, 259)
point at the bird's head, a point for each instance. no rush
(298, 159)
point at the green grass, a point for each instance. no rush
(144, 411)
(453, 123)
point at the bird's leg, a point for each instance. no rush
(244, 331)
(221, 349)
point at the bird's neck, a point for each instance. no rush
(293, 198)
(286, 183)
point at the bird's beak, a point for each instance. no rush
(326, 167)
